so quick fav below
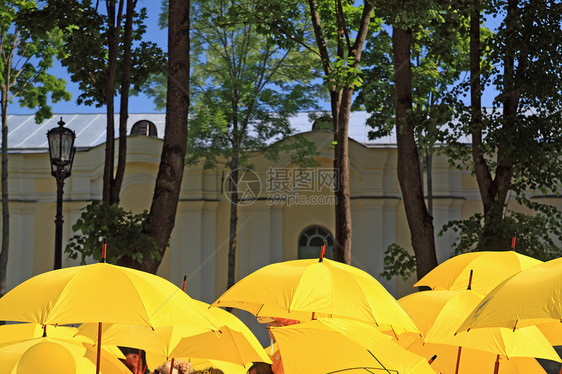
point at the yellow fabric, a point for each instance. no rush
(308, 289)
(331, 344)
(552, 331)
(490, 268)
(101, 293)
(46, 358)
(531, 297)
(22, 331)
(83, 355)
(440, 313)
(473, 361)
(18, 332)
(232, 342)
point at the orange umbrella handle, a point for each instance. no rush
(458, 360)
(497, 365)
(322, 252)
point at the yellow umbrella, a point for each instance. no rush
(307, 289)
(24, 331)
(531, 297)
(232, 342)
(101, 293)
(439, 313)
(41, 355)
(473, 361)
(483, 270)
(330, 345)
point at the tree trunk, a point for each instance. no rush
(493, 191)
(340, 100)
(342, 249)
(114, 22)
(162, 214)
(419, 220)
(5, 196)
(232, 238)
(124, 111)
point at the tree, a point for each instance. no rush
(419, 220)
(428, 50)
(515, 146)
(339, 33)
(25, 58)
(245, 88)
(162, 215)
(104, 50)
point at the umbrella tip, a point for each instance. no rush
(470, 280)
(432, 359)
(104, 250)
(322, 252)
(513, 241)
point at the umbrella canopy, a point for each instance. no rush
(531, 297)
(232, 342)
(473, 361)
(24, 331)
(330, 345)
(101, 293)
(51, 355)
(439, 313)
(489, 268)
(307, 289)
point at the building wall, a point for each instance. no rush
(267, 232)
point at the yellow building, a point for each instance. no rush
(285, 213)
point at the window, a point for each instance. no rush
(144, 127)
(311, 240)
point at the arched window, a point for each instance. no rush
(144, 127)
(311, 240)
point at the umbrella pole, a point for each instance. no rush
(99, 349)
(458, 360)
(497, 365)
(172, 366)
(103, 255)
(140, 362)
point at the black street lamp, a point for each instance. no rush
(61, 152)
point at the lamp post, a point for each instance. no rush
(61, 153)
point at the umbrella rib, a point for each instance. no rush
(380, 363)
(364, 368)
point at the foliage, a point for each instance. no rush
(244, 88)
(521, 133)
(536, 235)
(26, 58)
(398, 262)
(86, 32)
(439, 54)
(124, 232)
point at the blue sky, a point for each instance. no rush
(137, 104)
(141, 103)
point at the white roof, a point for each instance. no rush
(26, 136)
